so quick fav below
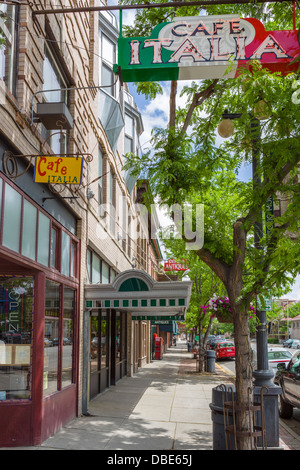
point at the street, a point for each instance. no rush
(294, 422)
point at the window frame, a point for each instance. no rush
(53, 224)
(11, 36)
(60, 338)
(52, 136)
(109, 31)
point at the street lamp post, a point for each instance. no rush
(263, 375)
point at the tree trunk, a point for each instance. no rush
(173, 103)
(243, 373)
(201, 365)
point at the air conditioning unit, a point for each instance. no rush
(54, 116)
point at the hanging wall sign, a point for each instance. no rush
(173, 265)
(203, 47)
(56, 169)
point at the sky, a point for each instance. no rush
(156, 113)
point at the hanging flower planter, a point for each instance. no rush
(219, 308)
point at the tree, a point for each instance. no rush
(185, 164)
(205, 284)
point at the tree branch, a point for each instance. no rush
(173, 103)
(220, 268)
(198, 99)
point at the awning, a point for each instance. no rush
(137, 292)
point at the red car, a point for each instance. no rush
(224, 349)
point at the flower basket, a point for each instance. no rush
(219, 308)
(224, 317)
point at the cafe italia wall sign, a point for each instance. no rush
(56, 169)
(202, 47)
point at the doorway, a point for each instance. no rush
(100, 354)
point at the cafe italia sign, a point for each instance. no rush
(56, 169)
(203, 47)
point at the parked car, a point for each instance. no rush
(212, 343)
(47, 342)
(288, 378)
(275, 356)
(295, 344)
(286, 343)
(224, 349)
(65, 341)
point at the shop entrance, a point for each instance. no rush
(108, 349)
(100, 325)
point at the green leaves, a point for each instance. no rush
(191, 163)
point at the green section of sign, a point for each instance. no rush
(137, 61)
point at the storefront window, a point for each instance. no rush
(65, 254)
(0, 197)
(118, 337)
(53, 248)
(43, 239)
(59, 340)
(29, 230)
(67, 346)
(104, 334)
(16, 312)
(12, 218)
(94, 344)
(51, 349)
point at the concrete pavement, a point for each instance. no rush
(163, 407)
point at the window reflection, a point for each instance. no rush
(67, 346)
(98, 342)
(8, 45)
(104, 330)
(94, 345)
(118, 337)
(50, 384)
(16, 309)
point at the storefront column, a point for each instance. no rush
(86, 362)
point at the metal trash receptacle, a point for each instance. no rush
(217, 416)
(210, 358)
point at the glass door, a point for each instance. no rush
(99, 352)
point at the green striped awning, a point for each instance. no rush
(137, 292)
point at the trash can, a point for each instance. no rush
(210, 358)
(217, 416)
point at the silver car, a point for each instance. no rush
(275, 356)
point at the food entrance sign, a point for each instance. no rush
(58, 169)
(203, 46)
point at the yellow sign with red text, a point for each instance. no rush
(56, 169)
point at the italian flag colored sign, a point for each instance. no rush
(201, 47)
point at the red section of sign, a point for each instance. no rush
(173, 265)
(274, 49)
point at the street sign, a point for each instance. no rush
(201, 47)
(269, 214)
(264, 303)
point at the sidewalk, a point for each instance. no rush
(163, 407)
